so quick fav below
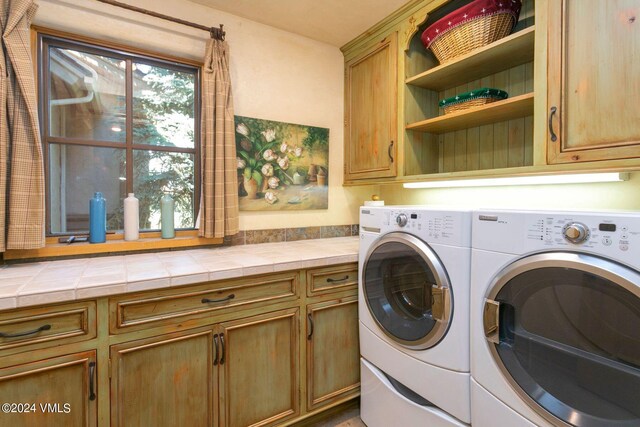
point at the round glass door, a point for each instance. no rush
(407, 290)
(565, 329)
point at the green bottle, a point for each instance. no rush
(166, 217)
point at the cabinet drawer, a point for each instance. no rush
(166, 307)
(34, 328)
(335, 277)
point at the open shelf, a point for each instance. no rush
(505, 53)
(511, 108)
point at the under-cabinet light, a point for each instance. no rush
(581, 178)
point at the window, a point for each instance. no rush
(117, 122)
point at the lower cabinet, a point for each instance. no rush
(332, 351)
(54, 392)
(239, 373)
(164, 381)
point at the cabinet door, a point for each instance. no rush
(594, 47)
(164, 381)
(371, 105)
(333, 355)
(259, 381)
(52, 392)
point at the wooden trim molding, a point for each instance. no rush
(113, 245)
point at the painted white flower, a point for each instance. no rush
(283, 162)
(270, 197)
(241, 163)
(269, 155)
(269, 135)
(273, 182)
(284, 147)
(242, 129)
(298, 151)
(267, 170)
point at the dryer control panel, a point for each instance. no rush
(610, 234)
(436, 226)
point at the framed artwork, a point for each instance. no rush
(281, 166)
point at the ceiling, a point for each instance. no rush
(335, 22)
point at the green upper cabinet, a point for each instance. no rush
(593, 88)
(371, 103)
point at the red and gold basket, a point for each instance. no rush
(477, 24)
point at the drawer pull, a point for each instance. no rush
(215, 342)
(24, 334)
(310, 326)
(92, 376)
(332, 280)
(229, 298)
(554, 138)
(223, 349)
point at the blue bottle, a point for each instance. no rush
(97, 219)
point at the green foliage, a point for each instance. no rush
(316, 135)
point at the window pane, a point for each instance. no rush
(163, 106)
(86, 96)
(75, 174)
(156, 173)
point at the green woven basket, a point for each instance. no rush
(474, 98)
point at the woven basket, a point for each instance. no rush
(472, 35)
(471, 99)
(468, 104)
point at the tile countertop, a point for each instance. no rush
(29, 284)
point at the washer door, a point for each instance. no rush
(407, 290)
(565, 330)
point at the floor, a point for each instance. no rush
(348, 418)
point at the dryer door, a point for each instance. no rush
(565, 330)
(407, 290)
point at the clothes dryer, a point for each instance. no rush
(414, 268)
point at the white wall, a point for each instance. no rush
(276, 75)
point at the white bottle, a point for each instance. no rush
(131, 218)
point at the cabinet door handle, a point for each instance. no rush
(215, 346)
(554, 138)
(310, 318)
(390, 151)
(229, 298)
(332, 280)
(223, 349)
(92, 376)
(24, 334)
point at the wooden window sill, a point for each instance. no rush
(115, 244)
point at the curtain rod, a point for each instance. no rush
(216, 33)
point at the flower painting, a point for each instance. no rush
(281, 166)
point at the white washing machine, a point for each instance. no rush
(555, 319)
(413, 295)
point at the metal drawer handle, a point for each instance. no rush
(310, 326)
(92, 375)
(331, 280)
(390, 151)
(223, 349)
(207, 300)
(554, 138)
(24, 334)
(215, 345)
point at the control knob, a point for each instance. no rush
(401, 219)
(575, 232)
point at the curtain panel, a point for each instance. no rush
(219, 199)
(22, 202)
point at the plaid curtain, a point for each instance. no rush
(219, 185)
(22, 214)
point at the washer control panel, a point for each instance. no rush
(584, 231)
(576, 232)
